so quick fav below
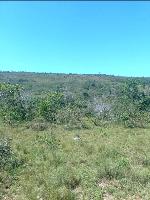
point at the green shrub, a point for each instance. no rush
(5, 153)
(49, 105)
(70, 115)
(87, 123)
(8, 160)
(8, 165)
(11, 103)
(131, 108)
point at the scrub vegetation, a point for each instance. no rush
(67, 137)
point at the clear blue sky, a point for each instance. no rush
(76, 37)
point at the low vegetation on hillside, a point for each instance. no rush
(74, 137)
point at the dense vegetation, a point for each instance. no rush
(65, 99)
(74, 136)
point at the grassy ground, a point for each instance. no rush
(102, 163)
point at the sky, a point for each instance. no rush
(84, 37)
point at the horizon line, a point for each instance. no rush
(70, 73)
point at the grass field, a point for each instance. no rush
(100, 163)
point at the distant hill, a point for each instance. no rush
(85, 84)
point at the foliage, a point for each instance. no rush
(8, 159)
(5, 153)
(9, 163)
(49, 105)
(106, 161)
(73, 114)
(11, 103)
(132, 106)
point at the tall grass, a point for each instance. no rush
(104, 163)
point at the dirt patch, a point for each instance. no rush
(79, 192)
(104, 183)
(108, 197)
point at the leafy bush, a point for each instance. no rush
(8, 160)
(69, 115)
(11, 103)
(8, 165)
(49, 105)
(5, 152)
(30, 106)
(131, 107)
(73, 114)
